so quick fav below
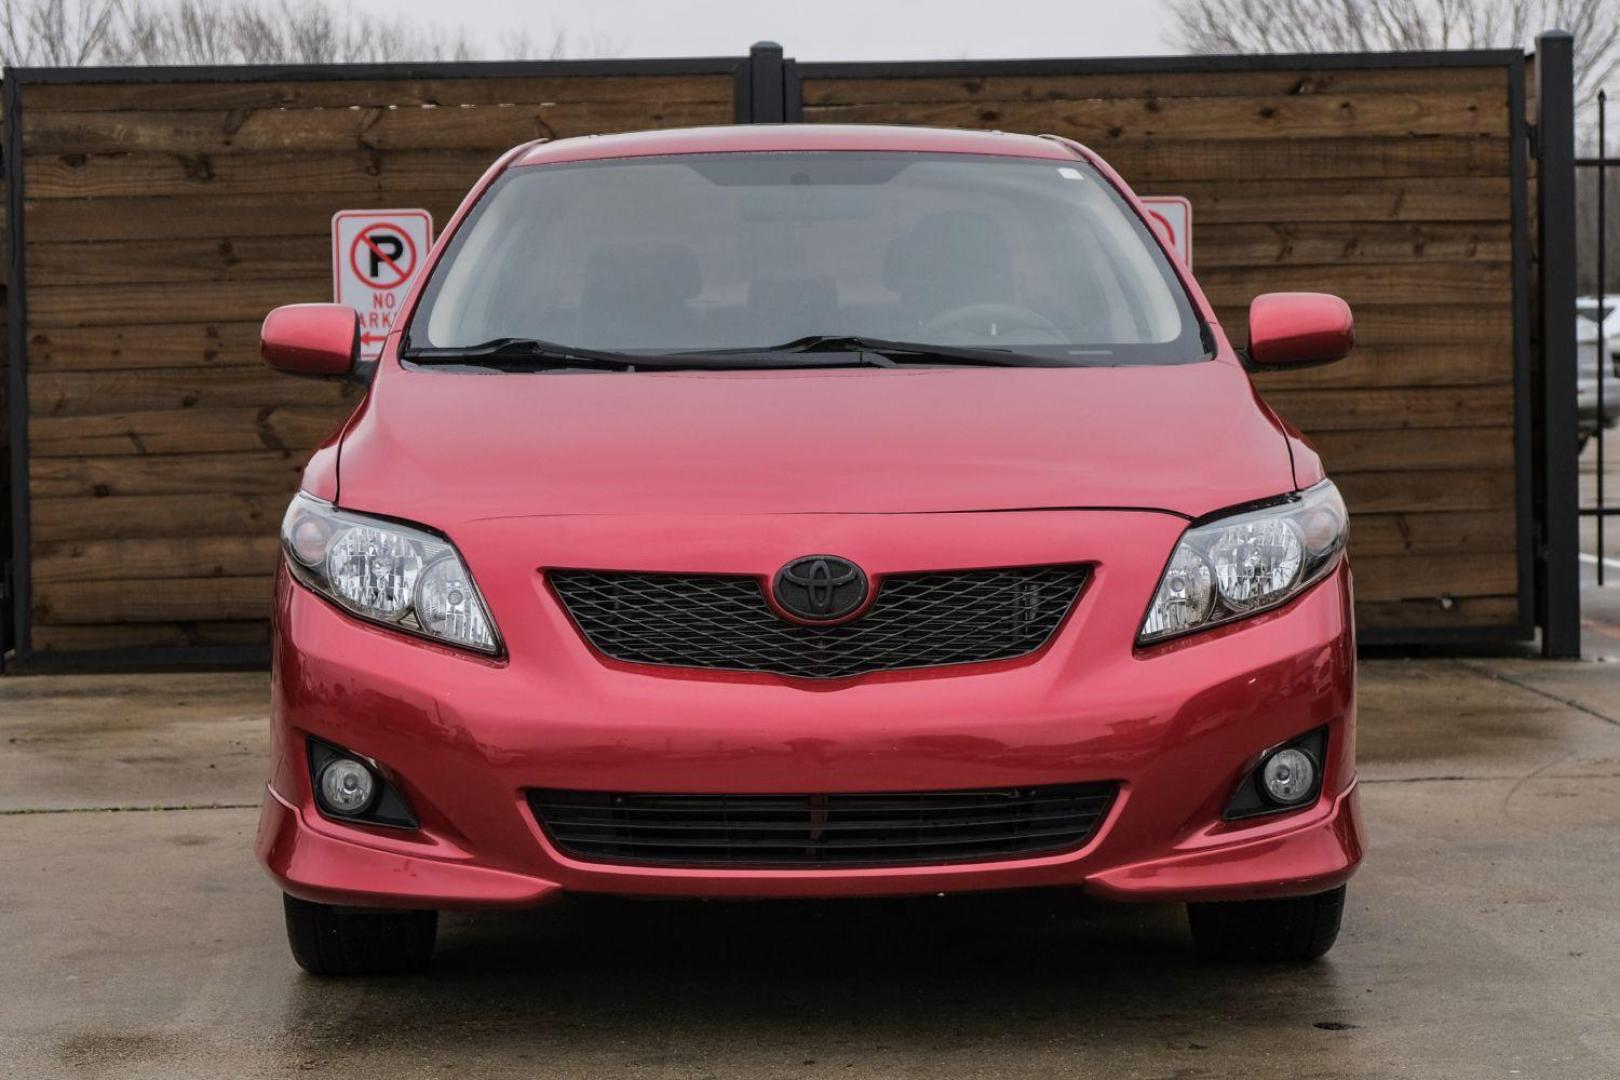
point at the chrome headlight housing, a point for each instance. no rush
(1243, 563)
(397, 575)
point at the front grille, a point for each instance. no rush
(889, 829)
(723, 621)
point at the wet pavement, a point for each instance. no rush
(1482, 937)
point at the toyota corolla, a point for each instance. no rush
(804, 511)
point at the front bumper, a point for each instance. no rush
(464, 738)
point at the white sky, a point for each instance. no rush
(809, 29)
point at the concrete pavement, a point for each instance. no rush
(1481, 939)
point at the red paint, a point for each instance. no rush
(311, 339)
(807, 441)
(1299, 328)
(898, 470)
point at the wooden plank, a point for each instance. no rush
(185, 431)
(227, 301)
(1388, 283)
(1481, 364)
(83, 393)
(1398, 449)
(1406, 199)
(181, 599)
(1422, 533)
(1433, 490)
(896, 90)
(88, 176)
(1250, 202)
(156, 516)
(124, 262)
(155, 559)
(257, 473)
(1101, 121)
(490, 128)
(346, 93)
(228, 217)
(1321, 243)
(1316, 250)
(55, 307)
(159, 345)
(1454, 573)
(54, 638)
(1396, 407)
(1438, 612)
(1175, 160)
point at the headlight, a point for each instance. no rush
(1243, 563)
(389, 573)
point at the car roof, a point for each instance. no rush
(742, 138)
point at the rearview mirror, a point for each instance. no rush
(1296, 329)
(322, 340)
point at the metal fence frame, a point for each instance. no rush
(768, 88)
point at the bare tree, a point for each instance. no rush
(1270, 26)
(65, 33)
(200, 32)
(56, 33)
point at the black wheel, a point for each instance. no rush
(351, 941)
(1298, 928)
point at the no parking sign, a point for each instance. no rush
(1171, 218)
(376, 255)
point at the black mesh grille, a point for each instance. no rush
(917, 620)
(889, 829)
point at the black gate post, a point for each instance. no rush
(767, 85)
(1558, 572)
(14, 583)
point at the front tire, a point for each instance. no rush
(1295, 929)
(349, 941)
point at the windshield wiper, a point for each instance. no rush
(896, 352)
(518, 352)
(532, 354)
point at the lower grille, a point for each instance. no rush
(885, 829)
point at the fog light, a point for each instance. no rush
(1289, 776)
(347, 786)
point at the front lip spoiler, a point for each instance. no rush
(1320, 854)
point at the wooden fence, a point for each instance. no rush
(1392, 186)
(164, 212)
(162, 220)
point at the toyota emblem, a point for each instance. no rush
(820, 588)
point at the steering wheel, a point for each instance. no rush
(987, 323)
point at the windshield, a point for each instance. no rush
(749, 251)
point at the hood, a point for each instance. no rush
(441, 447)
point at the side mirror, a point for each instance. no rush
(1298, 329)
(322, 340)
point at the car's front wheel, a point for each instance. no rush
(352, 941)
(1297, 928)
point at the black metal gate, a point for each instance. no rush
(1598, 509)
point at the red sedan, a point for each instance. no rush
(803, 511)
